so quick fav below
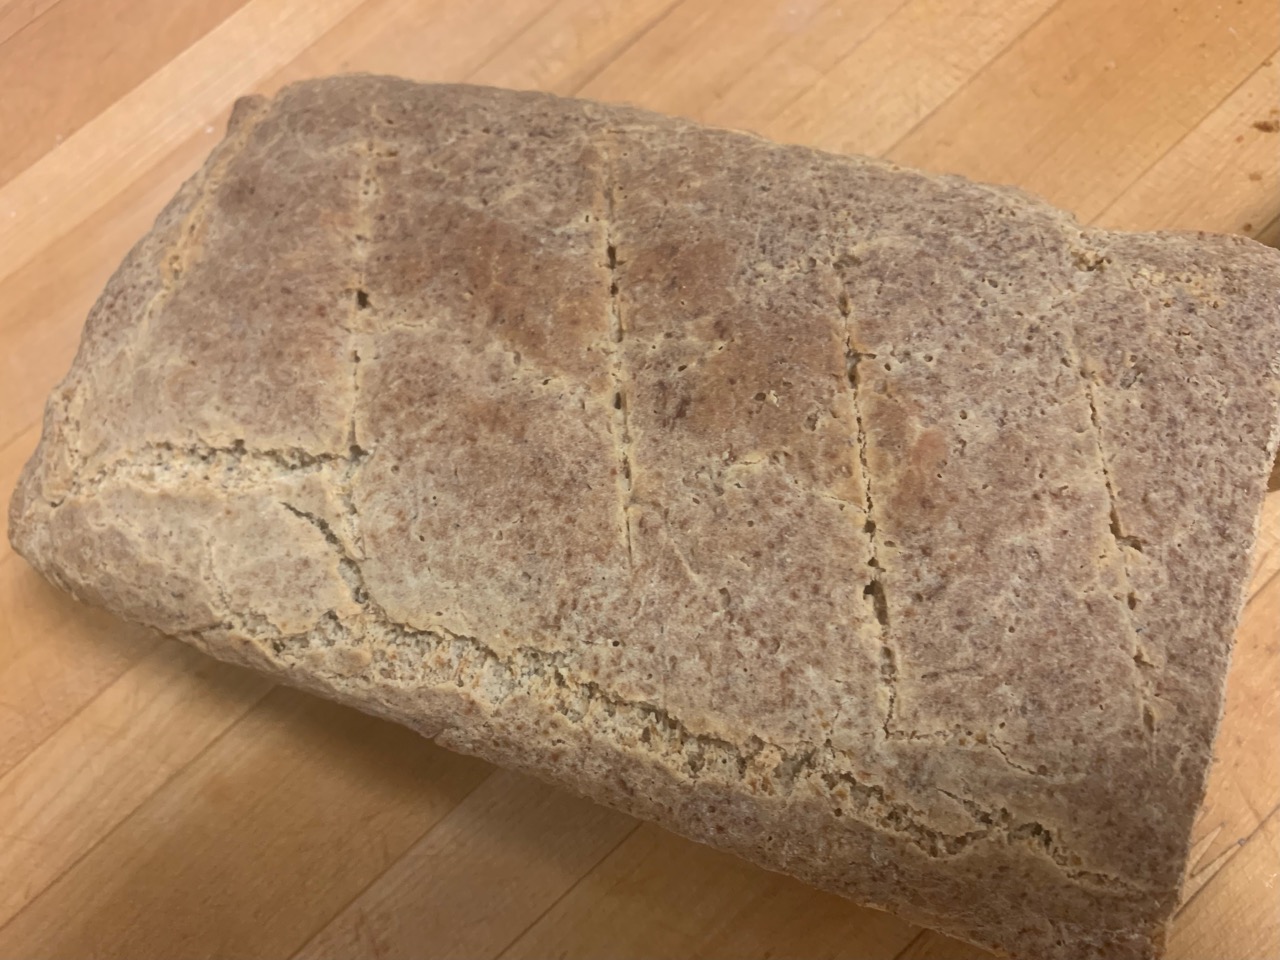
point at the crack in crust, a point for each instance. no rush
(968, 738)
(1089, 263)
(360, 321)
(361, 302)
(175, 261)
(617, 331)
(874, 590)
(238, 465)
(440, 659)
(444, 659)
(179, 257)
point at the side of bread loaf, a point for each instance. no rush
(888, 530)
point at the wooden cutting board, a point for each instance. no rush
(154, 803)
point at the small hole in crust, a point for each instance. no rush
(874, 591)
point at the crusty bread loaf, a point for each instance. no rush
(886, 529)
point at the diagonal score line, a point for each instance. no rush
(13, 438)
(782, 41)
(1198, 880)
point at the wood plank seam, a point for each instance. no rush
(911, 944)
(26, 26)
(568, 890)
(408, 849)
(620, 53)
(950, 96)
(888, 15)
(1227, 854)
(1177, 143)
(1259, 591)
(515, 37)
(1267, 228)
(172, 776)
(626, 46)
(843, 58)
(78, 710)
(56, 188)
(105, 56)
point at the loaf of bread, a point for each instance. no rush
(886, 529)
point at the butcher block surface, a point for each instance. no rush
(154, 802)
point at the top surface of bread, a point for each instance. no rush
(885, 528)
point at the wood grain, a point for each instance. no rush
(1059, 103)
(892, 81)
(105, 47)
(100, 765)
(1223, 175)
(317, 803)
(155, 803)
(18, 15)
(490, 869)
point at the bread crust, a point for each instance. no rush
(886, 529)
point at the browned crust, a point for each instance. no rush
(885, 529)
